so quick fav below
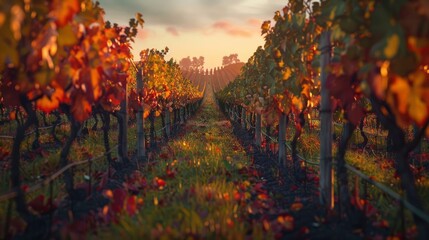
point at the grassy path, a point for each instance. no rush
(203, 185)
(200, 185)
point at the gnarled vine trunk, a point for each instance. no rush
(342, 177)
(402, 165)
(68, 175)
(15, 164)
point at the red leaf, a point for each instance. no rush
(355, 113)
(119, 196)
(132, 205)
(293, 188)
(80, 107)
(25, 187)
(263, 196)
(38, 204)
(159, 183)
(16, 225)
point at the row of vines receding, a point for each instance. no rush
(63, 61)
(349, 61)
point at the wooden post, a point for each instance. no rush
(141, 148)
(234, 117)
(326, 189)
(182, 115)
(167, 122)
(123, 142)
(282, 139)
(418, 149)
(243, 118)
(258, 130)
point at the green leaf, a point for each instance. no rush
(380, 21)
(390, 46)
(298, 20)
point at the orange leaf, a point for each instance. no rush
(146, 112)
(108, 193)
(80, 108)
(296, 206)
(266, 225)
(49, 103)
(288, 222)
(12, 115)
(95, 80)
(63, 11)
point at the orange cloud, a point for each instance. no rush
(173, 31)
(143, 34)
(232, 29)
(254, 22)
(222, 25)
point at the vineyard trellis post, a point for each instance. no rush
(258, 129)
(326, 189)
(243, 117)
(282, 139)
(123, 125)
(167, 122)
(141, 148)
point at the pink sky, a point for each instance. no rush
(209, 28)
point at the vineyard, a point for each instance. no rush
(321, 134)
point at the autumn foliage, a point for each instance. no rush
(71, 56)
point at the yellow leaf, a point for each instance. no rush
(337, 33)
(332, 14)
(392, 46)
(286, 74)
(306, 91)
(399, 93)
(265, 26)
(417, 109)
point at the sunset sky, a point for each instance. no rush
(209, 28)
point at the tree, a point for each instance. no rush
(231, 59)
(188, 64)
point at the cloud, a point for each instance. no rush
(173, 31)
(190, 14)
(239, 32)
(254, 22)
(143, 34)
(222, 25)
(232, 29)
